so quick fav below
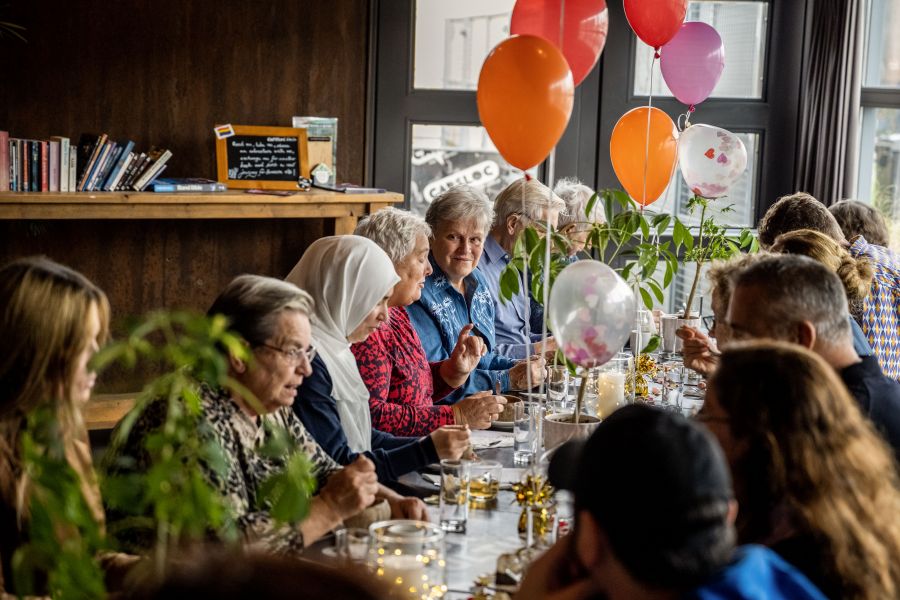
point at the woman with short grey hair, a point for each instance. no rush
(455, 298)
(574, 223)
(403, 386)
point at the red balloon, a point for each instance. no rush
(525, 97)
(655, 21)
(584, 27)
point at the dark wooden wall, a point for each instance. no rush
(163, 73)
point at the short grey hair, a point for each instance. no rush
(528, 197)
(459, 203)
(252, 303)
(576, 195)
(797, 288)
(394, 230)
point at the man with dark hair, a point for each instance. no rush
(857, 218)
(796, 299)
(881, 308)
(655, 519)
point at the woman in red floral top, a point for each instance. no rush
(404, 387)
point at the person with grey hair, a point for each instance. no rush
(456, 295)
(273, 319)
(796, 299)
(575, 223)
(403, 385)
(522, 203)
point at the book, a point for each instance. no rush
(4, 161)
(114, 172)
(153, 170)
(35, 164)
(110, 155)
(102, 158)
(126, 162)
(136, 166)
(88, 156)
(154, 177)
(349, 188)
(170, 185)
(53, 184)
(13, 165)
(73, 169)
(64, 146)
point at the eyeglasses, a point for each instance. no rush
(709, 321)
(294, 355)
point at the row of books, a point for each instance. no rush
(97, 163)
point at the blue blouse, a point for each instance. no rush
(393, 456)
(441, 313)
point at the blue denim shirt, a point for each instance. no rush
(510, 316)
(442, 312)
(860, 343)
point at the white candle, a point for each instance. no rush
(610, 392)
(405, 574)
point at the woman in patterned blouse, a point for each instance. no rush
(403, 386)
(273, 318)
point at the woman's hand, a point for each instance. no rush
(404, 507)
(518, 375)
(699, 351)
(450, 441)
(350, 490)
(478, 410)
(465, 356)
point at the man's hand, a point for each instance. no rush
(465, 356)
(699, 351)
(348, 491)
(405, 507)
(479, 410)
(451, 441)
(518, 375)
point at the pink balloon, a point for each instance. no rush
(692, 62)
(583, 32)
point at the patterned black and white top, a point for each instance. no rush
(240, 438)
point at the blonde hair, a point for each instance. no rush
(528, 197)
(43, 314)
(856, 274)
(810, 450)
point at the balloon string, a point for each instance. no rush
(647, 136)
(546, 290)
(526, 294)
(562, 20)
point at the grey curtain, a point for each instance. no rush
(828, 131)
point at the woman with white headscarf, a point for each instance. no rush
(351, 279)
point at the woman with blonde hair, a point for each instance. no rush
(813, 479)
(52, 320)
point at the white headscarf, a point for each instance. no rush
(347, 276)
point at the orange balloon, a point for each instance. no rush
(628, 149)
(525, 97)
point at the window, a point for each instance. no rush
(447, 155)
(452, 39)
(879, 160)
(742, 26)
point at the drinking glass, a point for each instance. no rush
(526, 431)
(454, 505)
(558, 386)
(351, 543)
(408, 556)
(484, 483)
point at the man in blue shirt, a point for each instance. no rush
(522, 203)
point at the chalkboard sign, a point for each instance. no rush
(270, 158)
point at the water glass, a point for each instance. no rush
(408, 556)
(526, 432)
(454, 504)
(558, 386)
(351, 543)
(484, 483)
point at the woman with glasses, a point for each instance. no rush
(351, 280)
(273, 318)
(812, 478)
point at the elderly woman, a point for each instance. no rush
(351, 280)
(403, 385)
(272, 316)
(456, 294)
(53, 320)
(574, 223)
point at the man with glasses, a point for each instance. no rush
(796, 299)
(523, 203)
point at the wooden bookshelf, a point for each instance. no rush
(344, 208)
